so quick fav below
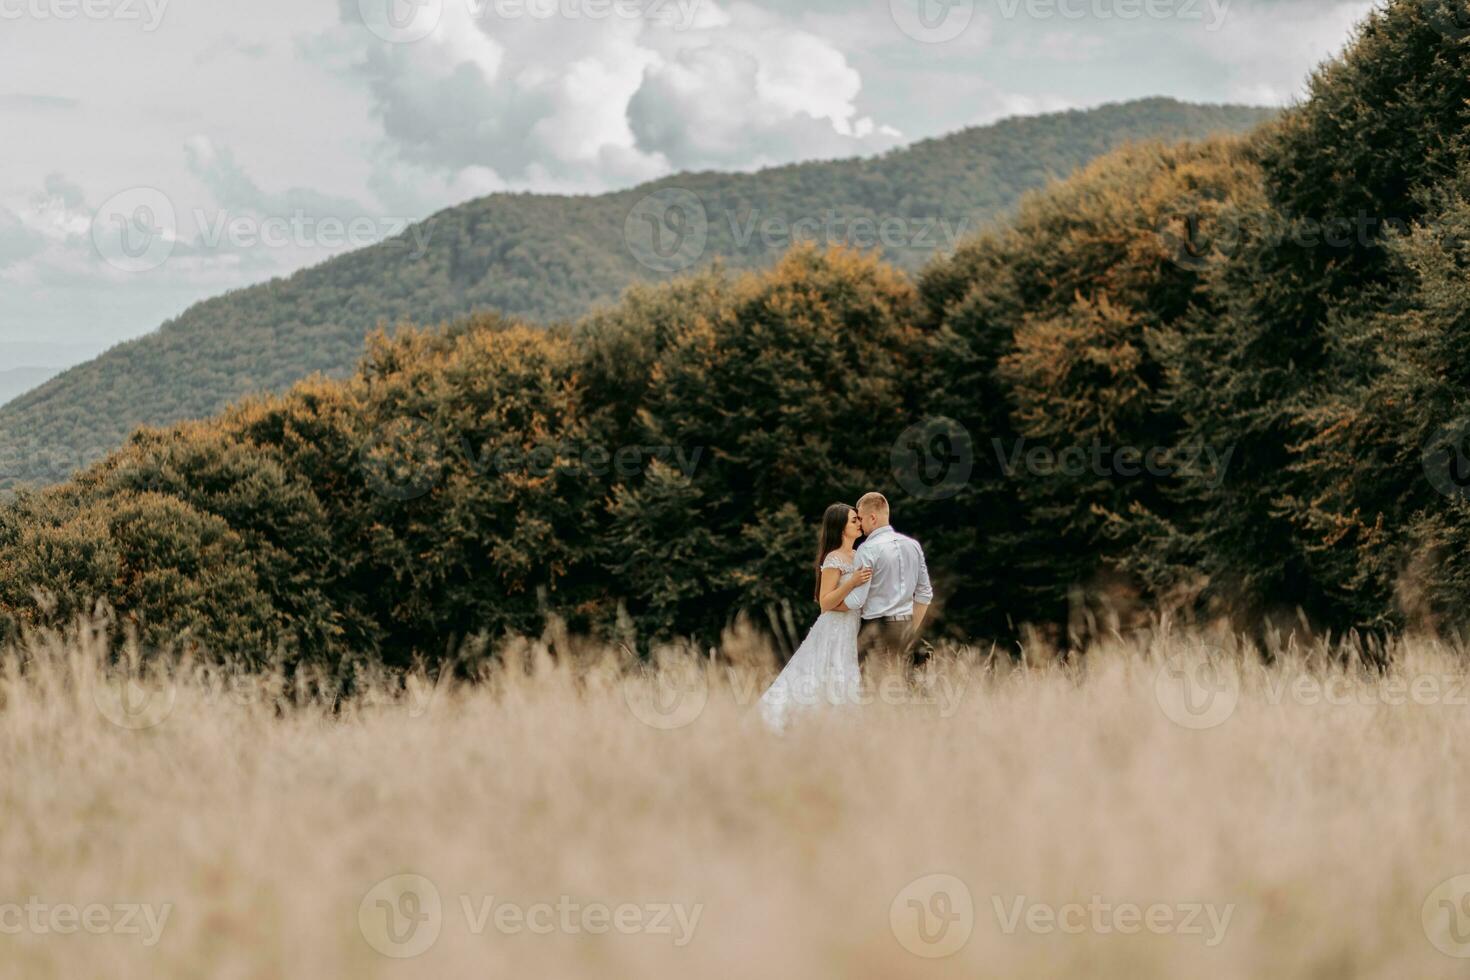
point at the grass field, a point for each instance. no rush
(1163, 808)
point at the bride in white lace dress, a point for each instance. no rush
(824, 669)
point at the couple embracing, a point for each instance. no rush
(873, 598)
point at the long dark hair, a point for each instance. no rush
(829, 537)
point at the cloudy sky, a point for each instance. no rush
(266, 135)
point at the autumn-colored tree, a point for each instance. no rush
(1296, 305)
(1047, 348)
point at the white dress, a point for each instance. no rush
(824, 669)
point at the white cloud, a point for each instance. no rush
(1265, 50)
(17, 242)
(295, 106)
(541, 102)
(234, 190)
(720, 108)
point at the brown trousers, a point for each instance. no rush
(883, 644)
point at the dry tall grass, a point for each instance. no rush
(566, 818)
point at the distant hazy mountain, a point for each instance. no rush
(15, 382)
(547, 257)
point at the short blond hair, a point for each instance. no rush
(872, 502)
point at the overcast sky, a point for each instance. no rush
(265, 135)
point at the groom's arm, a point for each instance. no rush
(858, 597)
(923, 592)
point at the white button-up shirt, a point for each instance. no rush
(900, 576)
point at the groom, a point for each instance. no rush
(896, 599)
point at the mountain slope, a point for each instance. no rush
(549, 257)
(15, 382)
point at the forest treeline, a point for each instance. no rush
(555, 257)
(1223, 377)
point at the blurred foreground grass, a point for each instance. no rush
(1170, 806)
